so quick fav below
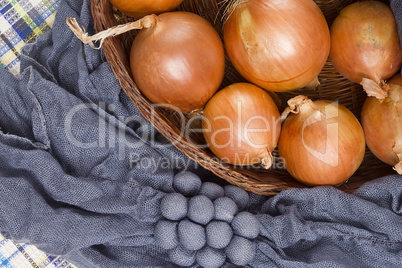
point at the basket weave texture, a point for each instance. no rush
(333, 86)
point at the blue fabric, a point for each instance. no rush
(396, 7)
(324, 227)
(82, 175)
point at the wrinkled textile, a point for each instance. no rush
(396, 7)
(84, 176)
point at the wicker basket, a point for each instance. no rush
(268, 182)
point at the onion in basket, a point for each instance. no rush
(365, 46)
(241, 125)
(140, 8)
(322, 142)
(279, 45)
(382, 124)
(177, 59)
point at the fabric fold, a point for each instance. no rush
(309, 227)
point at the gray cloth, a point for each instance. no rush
(84, 176)
(396, 6)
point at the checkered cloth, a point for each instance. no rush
(20, 22)
(13, 255)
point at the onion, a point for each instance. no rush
(322, 142)
(382, 124)
(140, 8)
(177, 59)
(279, 45)
(180, 61)
(365, 46)
(241, 125)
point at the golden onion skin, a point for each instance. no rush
(241, 125)
(279, 45)
(179, 62)
(382, 124)
(365, 42)
(323, 144)
(140, 8)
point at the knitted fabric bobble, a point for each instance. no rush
(211, 190)
(210, 257)
(219, 234)
(187, 183)
(239, 196)
(191, 235)
(174, 206)
(246, 224)
(240, 251)
(182, 256)
(166, 234)
(200, 209)
(225, 209)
